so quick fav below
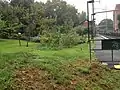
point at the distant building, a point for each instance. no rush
(115, 16)
(85, 24)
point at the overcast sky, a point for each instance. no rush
(104, 4)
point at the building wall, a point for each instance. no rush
(115, 16)
(85, 24)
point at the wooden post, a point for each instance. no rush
(112, 55)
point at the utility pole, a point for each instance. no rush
(93, 18)
(89, 38)
(106, 21)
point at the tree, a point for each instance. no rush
(3, 33)
(82, 16)
(52, 21)
(22, 3)
(62, 12)
(106, 23)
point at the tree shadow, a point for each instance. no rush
(2, 40)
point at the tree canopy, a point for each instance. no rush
(38, 19)
(106, 23)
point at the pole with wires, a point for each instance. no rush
(89, 40)
(106, 21)
(93, 25)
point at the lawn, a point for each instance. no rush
(29, 68)
(12, 46)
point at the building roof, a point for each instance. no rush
(117, 6)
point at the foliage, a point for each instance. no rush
(85, 31)
(79, 30)
(60, 39)
(52, 21)
(106, 22)
(82, 16)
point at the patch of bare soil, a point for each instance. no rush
(36, 79)
(87, 77)
(90, 78)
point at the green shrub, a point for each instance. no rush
(69, 40)
(58, 41)
(61, 37)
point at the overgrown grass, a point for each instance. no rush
(13, 56)
(68, 67)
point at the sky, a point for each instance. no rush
(102, 6)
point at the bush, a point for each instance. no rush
(82, 40)
(69, 40)
(50, 40)
(59, 41)
(62, 37)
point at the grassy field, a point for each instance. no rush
(29, 68)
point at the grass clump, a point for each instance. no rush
(84, 70)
